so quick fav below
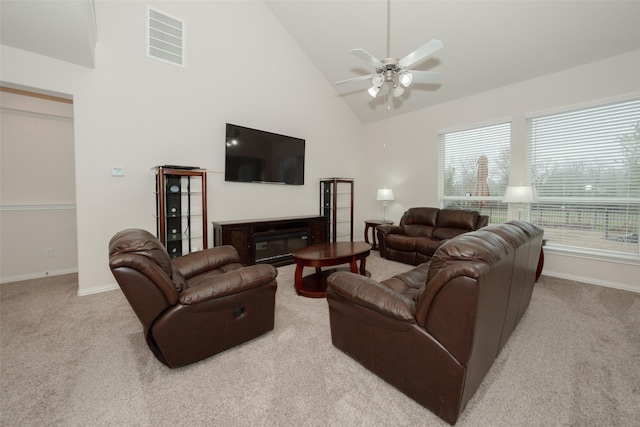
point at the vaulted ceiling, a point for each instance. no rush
(487, 44)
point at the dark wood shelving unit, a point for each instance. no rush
(181, 209)
(336, 203)
(270, 240)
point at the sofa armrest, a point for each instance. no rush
(383, 231)
(195, 263)
(389, 229)
(229, 283)
(483, 221)
(366, 292)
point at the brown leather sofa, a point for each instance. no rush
(422, 230)
(193, 306)
(433, 332)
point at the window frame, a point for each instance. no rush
(598, 203)
(487, 205)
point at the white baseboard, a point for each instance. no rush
(81, 292)
(40, 275)
(592, 281)
(114, 286)
(98, 289)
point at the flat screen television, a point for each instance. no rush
(258, 156)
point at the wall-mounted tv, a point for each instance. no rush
(253, 155)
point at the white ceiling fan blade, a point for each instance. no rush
(354, 79)
(426, 76)
(368, 58)
(420, 53)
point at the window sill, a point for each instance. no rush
(593, 254)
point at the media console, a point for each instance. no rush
(270, 240)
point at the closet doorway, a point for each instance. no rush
(38, 231)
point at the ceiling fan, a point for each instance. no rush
(393, 73)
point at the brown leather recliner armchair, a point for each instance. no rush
(193, 306)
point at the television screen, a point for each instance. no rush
(257, 156)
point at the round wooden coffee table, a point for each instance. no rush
(324, 255)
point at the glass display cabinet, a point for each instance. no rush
(181, 209)
(336, 203)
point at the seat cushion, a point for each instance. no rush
(446, 233)
(401, 242)
(419, 230)
(428, 245)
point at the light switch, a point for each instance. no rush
(117, 171)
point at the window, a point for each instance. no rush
(474, 171)
(585, 166)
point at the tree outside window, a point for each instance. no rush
(585, 165)
(475, 165)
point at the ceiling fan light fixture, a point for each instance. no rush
(392, 74)
(406, 79)
(397, 90)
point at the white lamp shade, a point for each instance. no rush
(385, 194)
(520, 194)
(373, 91)
(397, 90)
(406, 79)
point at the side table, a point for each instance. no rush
(541, 260)
(373, 223)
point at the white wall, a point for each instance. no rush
(136, 112)
(37, 188)
(410, 158)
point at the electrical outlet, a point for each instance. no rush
(48, 252)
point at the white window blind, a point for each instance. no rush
(474, 169)
(585, 166)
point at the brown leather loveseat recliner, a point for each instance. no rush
(422, 230)
(193, 306)
(433, 332)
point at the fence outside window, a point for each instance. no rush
(604, 228)
(585, 166)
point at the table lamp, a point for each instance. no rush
(384, 195)
(520, 195)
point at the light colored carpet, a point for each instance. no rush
(574, 360)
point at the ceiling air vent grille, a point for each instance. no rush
(165, 37)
